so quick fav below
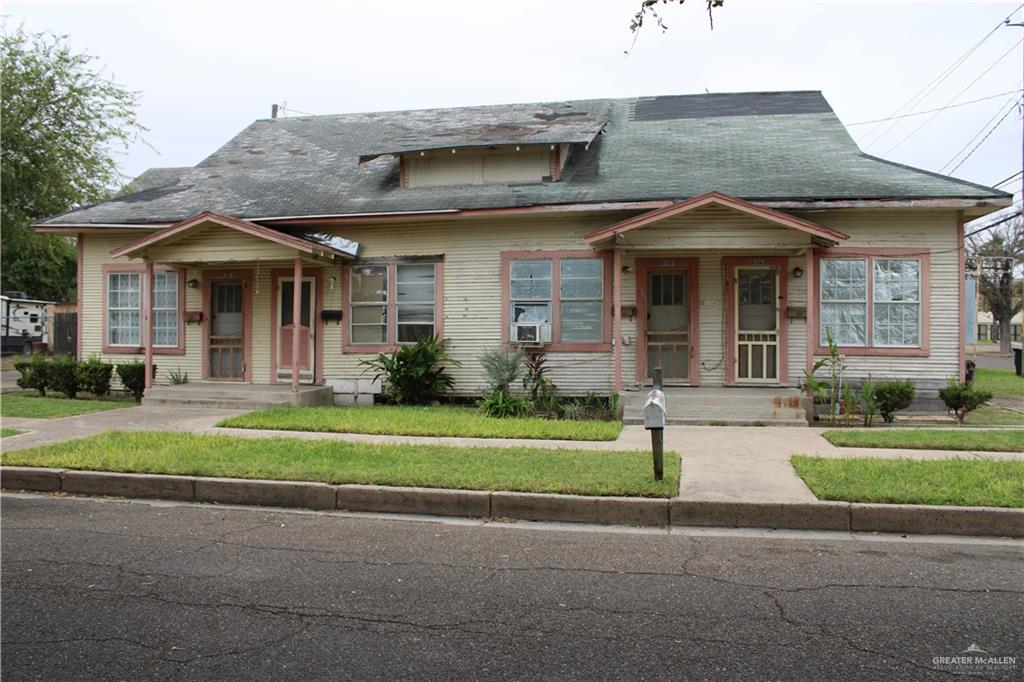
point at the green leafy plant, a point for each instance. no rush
(962, 398)
(539, 388)
(503, 404)
(35, 373)
(177, 377)
(819, 389)
(133, 378)
(851, 404)
(94, 376)
(64, 375)
(892, 396)
(416, 374)
(573, 411)
(868, 402)
(503, 366)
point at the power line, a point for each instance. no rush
(923, 93)
(982, 140)
(1009, 179)
(955, 97)
(1012, 103)
(994, 224)
(929, 111)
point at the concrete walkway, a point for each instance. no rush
(719, 463)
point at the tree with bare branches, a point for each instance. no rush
(998, 255)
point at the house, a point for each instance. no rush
(718, 236)
(988, 329)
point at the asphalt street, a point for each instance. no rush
(106, 589)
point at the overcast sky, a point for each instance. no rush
(206, 70)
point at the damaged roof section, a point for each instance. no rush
(476, 127)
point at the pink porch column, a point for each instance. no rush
(617, 317)
(297, 323)
(147, 321)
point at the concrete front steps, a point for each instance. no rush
(223, 395)
(724, 406)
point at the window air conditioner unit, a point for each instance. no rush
(531, 333)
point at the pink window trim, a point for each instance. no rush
(228, 275)
(315, 324)
(962, 264)
(731, 263)
(813, 335)
(691, 266)
(80, 280)
(507, 257)
(392, 304)
(146, 290)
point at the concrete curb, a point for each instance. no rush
(633, 511)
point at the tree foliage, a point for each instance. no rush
(998, 256)
(649, 10)
(62, 120)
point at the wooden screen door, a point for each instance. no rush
(227, 331)
(668, 325)
(286, 318)
(757, 325)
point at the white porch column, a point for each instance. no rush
(147, 321)
(297, 323)
(617, 316)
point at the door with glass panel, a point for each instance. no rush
(668, 341)
(286, 328)
(226, 340)
(757, 325)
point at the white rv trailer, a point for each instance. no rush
(22, 322)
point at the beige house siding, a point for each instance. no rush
(472, 289)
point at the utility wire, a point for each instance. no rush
(955, 97)
(1013, 103)
(993, 224)
(1009, 179)
(923, 93)
(929, 111)
(987, 135)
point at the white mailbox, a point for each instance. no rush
(654, 410)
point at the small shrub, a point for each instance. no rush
(538, 387)
(962, 398)
(416, 374)
(868, 402)
(64, 375)
(503, 404)
(503, 366)
(893, 396)
(851, 404)
(35, 373)
(133, 378)
(177, 377)
(94, 376)
(573, 411)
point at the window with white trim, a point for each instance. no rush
(415, 303)
(165, 309)
(124, 309)
(579, 301)
(368, 304)
(530, 285)
(871, 301)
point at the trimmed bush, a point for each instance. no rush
(63, 374)
(892, 396)
(94, 376)
(35, 373)
(133, 378)
(962, 399)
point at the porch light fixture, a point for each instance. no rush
(192, 283)
(798, 272)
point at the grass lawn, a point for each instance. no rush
(579, 472)
(4, 433)
(401, 420)
(989, 415)
(994, 440)
(971, 483)
(24, 405)
(1001, 382)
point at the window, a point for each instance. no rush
(557, 300)
(377, 318)
(165, 309)
(124, 309)
(871, 302)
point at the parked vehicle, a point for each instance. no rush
(23, 322)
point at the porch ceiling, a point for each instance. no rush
(770, 217)
(213, 238)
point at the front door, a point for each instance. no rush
(227, 331)
(667, 336)
(285, 331)
(757, 325)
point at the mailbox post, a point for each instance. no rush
(654, 421)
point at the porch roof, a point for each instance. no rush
(320, 246)
(817, 232)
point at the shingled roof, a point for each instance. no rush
(772, 146)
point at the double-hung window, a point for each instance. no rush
(125, 298)
(557, 300)
(870, 302)
(124, 309)
(393, 303)
(165, 309)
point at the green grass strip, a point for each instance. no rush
(960, 482)
(577, 472)
(402, 420)
(51, 407)
(1002, 382)
(991, 440)
(5, 432)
